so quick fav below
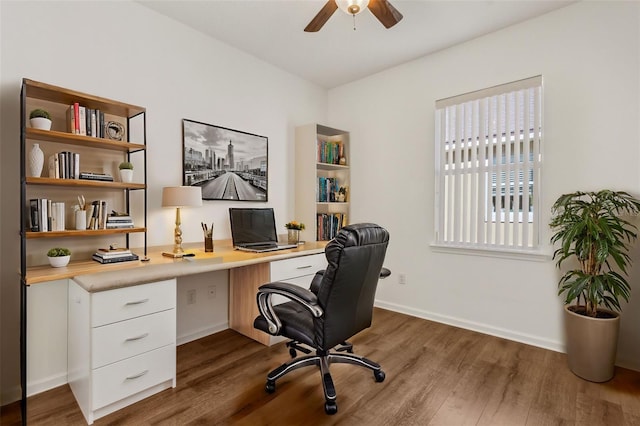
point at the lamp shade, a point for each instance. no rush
(181, 196)
(352, 7)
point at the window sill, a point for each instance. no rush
(504, 253)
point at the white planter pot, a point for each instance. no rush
(126, 175)
(59, 261)
(40, 123)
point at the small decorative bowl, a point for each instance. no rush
(59, 261)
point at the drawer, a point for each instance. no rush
(124, 339)
(125, 378)
(283, 270)
(129, 302)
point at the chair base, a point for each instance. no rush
(323, 359)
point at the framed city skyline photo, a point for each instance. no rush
(228, 164)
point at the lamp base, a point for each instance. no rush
(171, 254)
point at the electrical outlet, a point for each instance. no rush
(191, 297)
(212, 292)
(402, 279)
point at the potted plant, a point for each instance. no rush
(40, 119)
(126, 171)
(591, 231)
(293, 231)
(59, 257)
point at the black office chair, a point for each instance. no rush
(338, 305)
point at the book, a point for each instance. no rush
(35, 215)
(94, 123)
(83, 120)
(114, 250)
(71, 119)
(76, 114)
(119, 219)
(89, 112)
(76, 165)
(112, 255)
(127, 258)
(95, 176)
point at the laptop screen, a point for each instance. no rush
(250, 226)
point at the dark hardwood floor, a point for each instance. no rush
(436, 375)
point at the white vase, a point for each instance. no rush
(126, 175)
(40, 123)
(36, 160)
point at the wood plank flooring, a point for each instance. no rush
(436, 375)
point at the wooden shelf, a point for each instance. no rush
(80, 140)
(82, 233)
(48, 92)
(328, 166)
(84, 183)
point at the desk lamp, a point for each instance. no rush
(180, 196)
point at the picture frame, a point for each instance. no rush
(228, 164)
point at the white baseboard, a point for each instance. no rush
(474, 326)
(629, 364)
(200, 333)
(46, 383)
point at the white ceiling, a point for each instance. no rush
(273, 31)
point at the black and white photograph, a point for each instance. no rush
(228, 164)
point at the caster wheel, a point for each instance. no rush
(293, 353)
(379, 375)
(330, 408)
(270, 387)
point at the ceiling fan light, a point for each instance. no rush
(352, 7)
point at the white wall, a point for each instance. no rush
(124, 51)
(588, 54)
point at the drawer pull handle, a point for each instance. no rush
(304, 267)
(142, 336)
(137, 302)
(135, 376)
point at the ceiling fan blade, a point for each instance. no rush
(386, 14)
(322, 17)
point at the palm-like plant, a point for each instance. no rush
(589, 226)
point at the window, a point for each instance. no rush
(488, 160)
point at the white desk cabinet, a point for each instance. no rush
(244, 283)
(121, 345)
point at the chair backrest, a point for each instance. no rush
(347, 291)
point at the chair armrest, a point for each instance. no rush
(384, 273)
(292, 292)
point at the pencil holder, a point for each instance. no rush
(208, 243)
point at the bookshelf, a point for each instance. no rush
(93, 151)
(319, 175)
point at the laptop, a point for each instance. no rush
(254, 230)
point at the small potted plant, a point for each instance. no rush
(126, 171)
(40, 119)
(293, 231)
(593, 234)
(59, 257)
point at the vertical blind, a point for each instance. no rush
(488, 160)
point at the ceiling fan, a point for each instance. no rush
(381, 9)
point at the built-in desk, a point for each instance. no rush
(122, 317)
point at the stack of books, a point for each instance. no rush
(114, 255)
(116, 222)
